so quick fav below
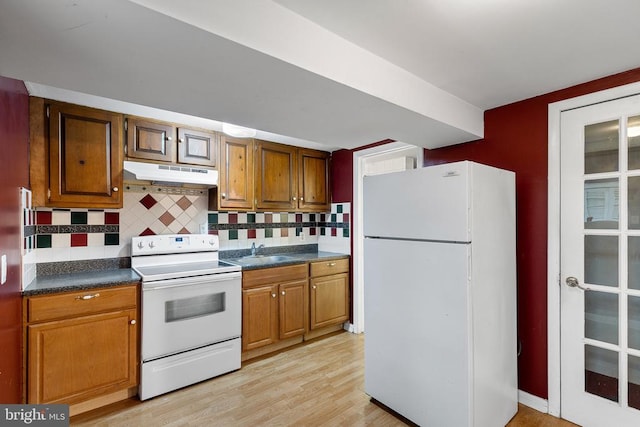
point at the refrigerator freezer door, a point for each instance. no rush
(417, 349)
(427, 203)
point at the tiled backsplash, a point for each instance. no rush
(237, 230)
(162, 210)
(79, 234)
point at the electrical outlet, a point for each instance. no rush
(3, 275)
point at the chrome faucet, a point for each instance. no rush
(254, 249)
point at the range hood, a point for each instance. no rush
(170, 174)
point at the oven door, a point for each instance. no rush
(183, 314)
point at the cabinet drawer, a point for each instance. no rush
(71, 304)
(273, 275)
(325, 268)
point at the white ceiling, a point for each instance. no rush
(327, 74)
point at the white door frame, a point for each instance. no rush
(359, 160)
(553, 229)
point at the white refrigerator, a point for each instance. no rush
(440, 294)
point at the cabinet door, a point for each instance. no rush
(259, 317)
(198, 147)
(276, 175)
(293, 313)
(77, 359)
(313, 180)
(235, 188)
(147, 139)
(85, 157)
(329, 300)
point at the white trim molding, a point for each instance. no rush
(534, 402)
(553, 229)
(359, 162)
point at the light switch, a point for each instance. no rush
(3, 275)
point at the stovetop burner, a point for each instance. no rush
(188, 269)
(174, 256)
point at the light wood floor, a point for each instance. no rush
(316, 384)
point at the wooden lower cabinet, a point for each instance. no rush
(274, 305)
(259, 317)
(281, 306)
(329, 300)
(329, 287)
(293, 313)
(82, 346)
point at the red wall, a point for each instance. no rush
(14, 173)
(516, 139)
(342, 176)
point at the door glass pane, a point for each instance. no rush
(601, 260)
(601, 372)
(601, 203)
(634, 382)
(633, 257)
(601, 316)
(633, 199)
(633, 136)
(634, 322)
(601, 147)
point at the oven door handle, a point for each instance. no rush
(189, 281)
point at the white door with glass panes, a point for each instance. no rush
(600, 264)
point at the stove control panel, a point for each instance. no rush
(173, 244)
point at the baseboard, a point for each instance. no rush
(534, 402)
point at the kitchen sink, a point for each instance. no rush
(261, 259)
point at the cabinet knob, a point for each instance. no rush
(273, 295)
(313, 287)
(180, 140)
(169, 138)
(302, 199)
(133, 321)
(115, 189)
(332, 264)
(223, 195)
(295, 198)
(283, 292)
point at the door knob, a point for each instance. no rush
(573, 282)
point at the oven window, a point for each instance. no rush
(188, 308)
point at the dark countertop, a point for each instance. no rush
(78, 281)
(100, 278)
(292, 258)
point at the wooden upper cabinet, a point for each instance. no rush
(85, 157)
(313, 180)
(235, 186)
(276, 176)
(198, 147)
(165, 142)
(150, 140)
